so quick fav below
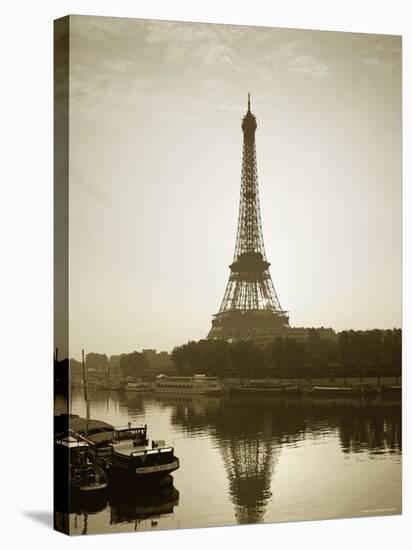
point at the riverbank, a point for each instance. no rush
(375, 381)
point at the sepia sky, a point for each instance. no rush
(155, 160)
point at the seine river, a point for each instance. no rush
(252, 460)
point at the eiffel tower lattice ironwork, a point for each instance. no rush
(250, 304)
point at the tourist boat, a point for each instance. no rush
(135, 458)
(138, 387)
(196, 384)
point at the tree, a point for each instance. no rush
(392, 347)
(246, 357)
(133, 364)
(286, 354)
(374, 348)
(316, 349)
(98, 361)
(203, 357)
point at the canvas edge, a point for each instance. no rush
(61, 70)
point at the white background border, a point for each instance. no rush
(26, 265)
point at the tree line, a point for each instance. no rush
(133, 364)
(375, 352)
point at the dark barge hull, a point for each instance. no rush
(342, 392)
(125, 474)
(91, 489)
(278, 392)
(394, 392)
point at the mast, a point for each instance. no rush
(86, 396)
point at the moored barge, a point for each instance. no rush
(138, 387)
(266, 387)
(362, 390)
(394, 392)
(125, 453)
(136, 459)
(75, 456)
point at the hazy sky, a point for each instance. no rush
(155, 160)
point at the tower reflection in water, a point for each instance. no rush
(250, 434)
(253, 436)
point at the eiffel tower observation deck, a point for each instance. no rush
(250, 305)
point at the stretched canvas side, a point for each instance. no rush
(61, 263)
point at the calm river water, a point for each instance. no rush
(253, 460)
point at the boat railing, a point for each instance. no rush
(129, 428)
(138, 433)
(152, 451)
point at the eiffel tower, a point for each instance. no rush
(250, 304)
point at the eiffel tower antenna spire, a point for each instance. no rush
(250, 303)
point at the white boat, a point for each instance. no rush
(196, 384)
(138, 387)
